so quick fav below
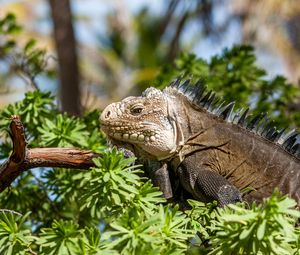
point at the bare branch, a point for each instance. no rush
(174, 46)
(23, 158)
(59, 157)
(10, 211)
(168, 16)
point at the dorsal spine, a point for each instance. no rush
(198, 95)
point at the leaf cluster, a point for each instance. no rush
(27, 60)
(266, 229)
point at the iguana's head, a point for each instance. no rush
(144, 121)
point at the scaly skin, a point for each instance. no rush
(213, 158)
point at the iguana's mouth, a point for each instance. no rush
(129, 133)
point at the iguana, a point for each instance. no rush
(214, 151)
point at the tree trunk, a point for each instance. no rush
(67, 56)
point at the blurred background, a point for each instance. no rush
(94, 52)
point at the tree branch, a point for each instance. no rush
(23, 158)
(174, 45)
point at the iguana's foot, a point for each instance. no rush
(228, 194)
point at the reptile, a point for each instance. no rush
(184, 134)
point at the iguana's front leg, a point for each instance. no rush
(157, 171)
(206, 185)
(159, 174)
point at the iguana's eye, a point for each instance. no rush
(137, 109)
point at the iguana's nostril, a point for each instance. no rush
(107, 114)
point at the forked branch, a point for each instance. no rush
(22, 158)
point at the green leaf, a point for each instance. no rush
(261, 230)
(29, 45)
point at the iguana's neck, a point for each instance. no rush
(190, 120)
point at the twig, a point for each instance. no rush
(168, 16)
(11, 211)
(174, 45)
(23, 158)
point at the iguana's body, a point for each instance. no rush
(215, 153)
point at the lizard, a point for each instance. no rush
(215, 152)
